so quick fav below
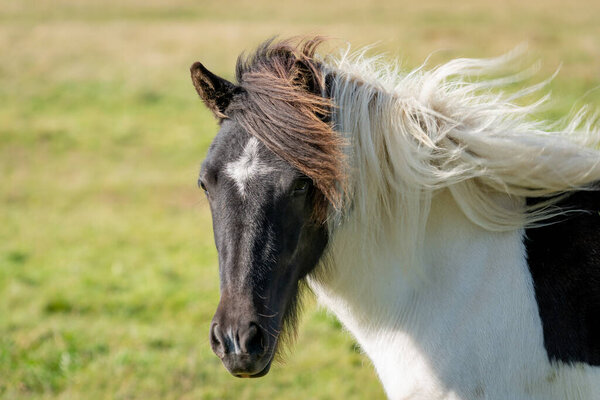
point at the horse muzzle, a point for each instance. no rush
(242, 347)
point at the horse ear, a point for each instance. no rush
(215, 91)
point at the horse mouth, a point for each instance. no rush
(259, 374)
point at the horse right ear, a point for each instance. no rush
(215, 91)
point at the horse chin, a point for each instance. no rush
(259, 374)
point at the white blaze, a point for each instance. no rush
(247, 166)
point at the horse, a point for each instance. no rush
(455, 236)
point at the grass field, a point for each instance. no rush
(108, 275)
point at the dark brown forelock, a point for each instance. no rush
(282, 104)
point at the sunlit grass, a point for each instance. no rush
(108, 274)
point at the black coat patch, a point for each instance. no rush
(564, 261)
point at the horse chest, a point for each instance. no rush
(472, 331)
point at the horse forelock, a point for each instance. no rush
(282, 103)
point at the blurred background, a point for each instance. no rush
(108, 273)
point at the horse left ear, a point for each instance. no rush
(215, 91)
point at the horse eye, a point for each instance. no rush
(301, 186)
(202, 186)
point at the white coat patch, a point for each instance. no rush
(247, 166)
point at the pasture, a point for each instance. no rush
(108, 272)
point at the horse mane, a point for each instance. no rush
(284, 107)
(417, 133)
(382, 142)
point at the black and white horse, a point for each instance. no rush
(454, 237)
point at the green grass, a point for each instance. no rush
(108, 273)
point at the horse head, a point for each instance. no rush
(270, 174)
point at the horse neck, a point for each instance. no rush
(404, 318)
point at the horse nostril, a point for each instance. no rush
(216, 340)
(252, 340)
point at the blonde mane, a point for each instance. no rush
(414, 134)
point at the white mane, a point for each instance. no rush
(414, 134)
